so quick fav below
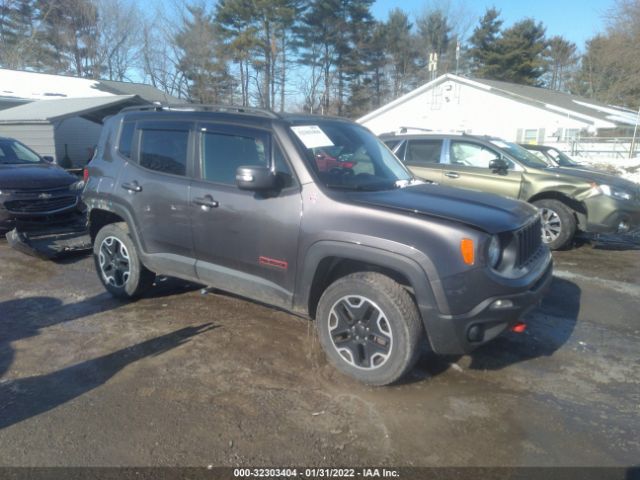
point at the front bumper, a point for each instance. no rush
(607, 214)
(21, 210)
(459, 334)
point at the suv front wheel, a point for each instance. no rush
(558, 223)
(369, 327)
(117, 262)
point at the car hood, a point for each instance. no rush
(33, 176)
(597, 176)
(484, 211)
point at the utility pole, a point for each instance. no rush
(457, 56)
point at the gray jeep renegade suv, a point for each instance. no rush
(316, 216)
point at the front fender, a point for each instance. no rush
(417, 276)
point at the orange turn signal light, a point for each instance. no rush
(468, 251)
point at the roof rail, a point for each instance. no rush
(420, 129)
(194, 107)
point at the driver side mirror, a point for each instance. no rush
(256, 178)
(498, 165)
(48, 159)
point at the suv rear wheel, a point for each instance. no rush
(558, 223)
(369, 327)
(117, 262)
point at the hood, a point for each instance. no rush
(33, 176)
(484, 211)
(598, 176)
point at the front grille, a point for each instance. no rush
(529, 240)
(41, 205)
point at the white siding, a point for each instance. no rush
(37, 137)
(79, 135)
(452, 106)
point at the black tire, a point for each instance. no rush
(137, 279)
(397, 314)
(558, 223)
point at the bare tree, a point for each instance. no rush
(119, 39)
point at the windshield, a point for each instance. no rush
(561, 159)
(12, 151)
(521, 154)
(349, 157)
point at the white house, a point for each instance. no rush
(488, 107)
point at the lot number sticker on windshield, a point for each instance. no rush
(312, 136)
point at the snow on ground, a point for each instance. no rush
(628, 168)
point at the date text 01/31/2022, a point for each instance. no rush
(314, 473)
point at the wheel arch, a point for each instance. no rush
(99, 216)
(578, 208)
(328, 261)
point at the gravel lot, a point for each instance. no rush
(181, 378)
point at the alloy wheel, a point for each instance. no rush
(114, 262)
(360, 332)
(551, 225)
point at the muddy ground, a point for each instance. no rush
(181, 378)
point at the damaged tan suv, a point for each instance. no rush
(570, 199)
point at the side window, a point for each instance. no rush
(423, 153)
(126, 139)
(281, 168)
(471, 154)
(401, 151)
(223, 153)
(164, 150)
(392, 143)
(540, 155)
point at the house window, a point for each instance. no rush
(571, 133)
(531, 136)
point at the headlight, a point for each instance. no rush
(494, 251)
(610, 191)
(75, 186)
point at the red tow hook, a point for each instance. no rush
(519, 327)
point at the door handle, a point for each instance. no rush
(452, 175)
(205, 202)
(132, 186)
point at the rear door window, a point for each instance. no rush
(423, 153)
(163, 147)
(126, 139)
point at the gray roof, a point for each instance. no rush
(45, 111)
(546, 96)
(573, 106)
(146, 92)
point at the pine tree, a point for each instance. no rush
(69, 41)
(201, 58)
(402, 52)
(434, 36)
(522, 49)
(484, 53)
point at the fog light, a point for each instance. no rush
(502, 303)
(475, 333)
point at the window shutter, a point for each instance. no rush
(541, 136)
(519, 136)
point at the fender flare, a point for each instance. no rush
(408, 267)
